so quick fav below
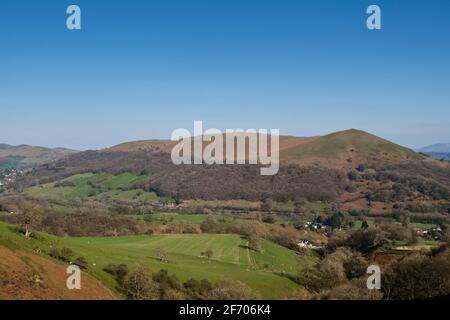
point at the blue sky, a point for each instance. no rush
(140, 69)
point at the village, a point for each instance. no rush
(9, 176)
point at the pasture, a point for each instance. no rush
(266, 271)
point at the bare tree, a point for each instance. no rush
(139, 284)
(31, 216)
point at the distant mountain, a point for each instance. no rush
(439, 151)
(438, 148)
(439, 155)
(25, 155)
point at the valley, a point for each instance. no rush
(339, 201)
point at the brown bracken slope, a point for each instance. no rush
(29, 276)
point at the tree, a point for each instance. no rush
(335, 221)
(31, 216)
(232, 290)
(353, 290)
(267, 205)
(196, 289)
(208, 253)
(269, 219)
(209, 225)
(161, 254)
(254, 243)
(139, 285)
(120, 271)
(66, 254)
(168, 285)
(418, 277)
(365, 241)
(364, 225)
(81, 262)
(355, 266)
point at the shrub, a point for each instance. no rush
(254, 243)
(232, 290)
(81, 262)
(208, 254)
(196, 289)
(418, 277)
(365, 241)
(66, 254)
(139, 285)
(119, 271)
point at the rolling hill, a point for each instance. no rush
(28, 275)
(347, 149)
(25, 155)
(440, 151)
(439, 147)
(231, 259)
(315, 168)
(344, 149)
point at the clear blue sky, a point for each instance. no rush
(140, 69)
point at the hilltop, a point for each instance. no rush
(344, 149)
(315, 168)
(25, 155)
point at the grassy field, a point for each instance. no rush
(96, 186)
(192, 218)
(373, 222)
(231, 257)
(231, 204)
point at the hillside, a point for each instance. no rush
(232, 259)
(347, 149)
(344, 149)
(314, 168)
(24, 155)
(27, 275)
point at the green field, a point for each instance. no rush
(194, 218)
(221, 204)
(373, 223)
(95, 186)
(169, 217)
(231, 257)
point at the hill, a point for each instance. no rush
(440, 151)
(439, 155)
(347, 149)
(314, 168)
(25, 155)
(231, 257)
(27, 275)
(344, 149)
(437, 148)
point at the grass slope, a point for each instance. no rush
(99, 185)
(347, 148)
(231, 259)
